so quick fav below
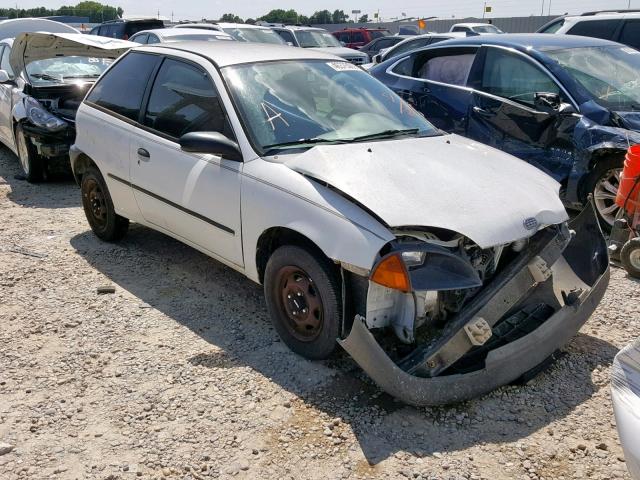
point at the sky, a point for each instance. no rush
(197, 9)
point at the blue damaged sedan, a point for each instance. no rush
(566, 104)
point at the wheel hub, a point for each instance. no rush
(96, 202)
(301, 304)
(604, 194)
(634, 258)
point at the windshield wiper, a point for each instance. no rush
(303, 141)
(44, 76)
(385, 134)
(93, 75)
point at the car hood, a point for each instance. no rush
(342, 52)
(444, 181)
(33, 46)
(630, 120)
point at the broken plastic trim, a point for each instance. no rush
(507, 363)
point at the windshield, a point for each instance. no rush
(298, 104)
(257, 35)
(315, 38)
(66, 69)
(486, 29)
(611, 75)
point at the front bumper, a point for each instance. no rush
(578, 280)
(50, 144)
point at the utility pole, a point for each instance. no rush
(549, 10)
(542, 9)
(484, 9)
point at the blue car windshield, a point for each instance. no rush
(297, 104)
(611, 74)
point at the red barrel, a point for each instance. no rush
(629, 189)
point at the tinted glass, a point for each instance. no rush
(136, 27)
(514, 77)
(459, 29)
(379, 33)
(286, 36)
(183, 100)
(384, 43)
(630, 34)
(122, 88)
(153, 39)
(554, 27)
(406, 47)
(357, 37)
(595, 28)
(142, 38)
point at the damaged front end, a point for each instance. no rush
(476, 319)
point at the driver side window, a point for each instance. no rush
(514, 77)
(183, 99)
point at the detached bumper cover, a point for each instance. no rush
(583, 266)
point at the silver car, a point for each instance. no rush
(43, 79)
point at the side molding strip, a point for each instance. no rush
(174, 205)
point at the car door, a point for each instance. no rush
(435, 82)
(116, 100)
(504, 113)
(194, 196)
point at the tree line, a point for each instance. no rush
(96, 11)
(293, 17)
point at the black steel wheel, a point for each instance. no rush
(99, 209)
(303, 299)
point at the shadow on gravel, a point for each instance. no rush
(227, 310)
(59, 191)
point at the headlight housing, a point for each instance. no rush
(40, 117)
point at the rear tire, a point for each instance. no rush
(99, 209)
(31, 163)
(630, 257)
(303, 294)
(603, 182)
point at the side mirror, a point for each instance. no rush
(290, 44)
(547, 102)
(213, 143)
(377, 58)
(4, 77)
(343, 44)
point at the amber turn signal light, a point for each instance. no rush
(392, 273)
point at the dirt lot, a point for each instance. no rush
(178, 374)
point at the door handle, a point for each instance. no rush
(482, 112)
(144, 154)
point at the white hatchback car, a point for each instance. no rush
(308, 175)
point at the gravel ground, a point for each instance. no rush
(178, 374)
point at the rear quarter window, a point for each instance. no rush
(604, 29)
(121, 89)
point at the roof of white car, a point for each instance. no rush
(233, 53)
(202, 26)
(603, 15)
(297, 28)
(182, 32)
(242, 25)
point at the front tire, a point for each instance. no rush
(603, 182)
(31, 163)
(303, 294)
(630, 257)
(99, 209)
